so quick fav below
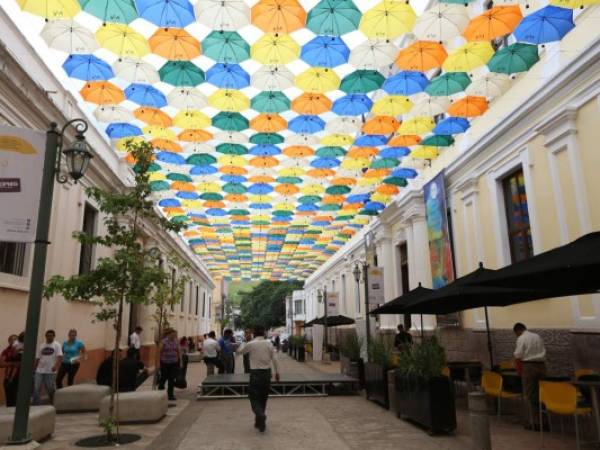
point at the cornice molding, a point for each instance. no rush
(558, 127)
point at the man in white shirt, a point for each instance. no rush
(210, 350)
(531, 353)
(135, 342)
(262, 356)
(49, 359)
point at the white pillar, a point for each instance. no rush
(419, 265)
(385, 256)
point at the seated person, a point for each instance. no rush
(104, 374)
(131, 372)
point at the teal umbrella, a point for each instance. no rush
(384, 163)
(309, 199)
(120, 11)
(161, 185)
(234, 188)
(226, 47)
(231, 149)
(333, 17)
(267, 139)
(200, 159)
(230, 121)
(239, 212)
(448, 84)
(174, 176)
(362, 82)
(438, 140)
(330, 207)
(289, 180)
(515, 58)
(330, 152)
(212, 196)
(396, 181)
(181, 73)
(270, 102)
(337, 190)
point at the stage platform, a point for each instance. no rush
(290, 385)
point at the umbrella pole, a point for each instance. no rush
(489, 338)
(422, 329)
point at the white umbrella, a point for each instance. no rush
(69, 36)
(136, 71)
(229, 15)
(113, 113)
(295, 162)
(198, 147)
(430, 107)
(273, 78)
(262, 172)
(441, 22)
(489, 85)
(232, 137)
(373, 54)
(302, 139)
(344, 125)
(187, 98)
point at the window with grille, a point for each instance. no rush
(86, 255)
(517, 216)
(12, 258)
(197, 298)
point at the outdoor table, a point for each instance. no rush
(465, 366)
(593, 386)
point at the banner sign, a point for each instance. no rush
(376, 293)
(317, 342)
(440, 250)
(333, 301)
(21, 166)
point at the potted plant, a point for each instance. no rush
(300, 350)
(334, 353)
(380, 351)
(423, 395)
(351, 362)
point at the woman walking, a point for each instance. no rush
(73, 353)
(169, 362)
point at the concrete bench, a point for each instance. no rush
(137, 407)
(195, 357)
(80, 398)
(41, 422)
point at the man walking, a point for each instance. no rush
(135, 342)
(262, 356)
(49, 359)
(227, 345)
(210, 350)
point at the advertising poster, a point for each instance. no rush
(333, 301)
(317, 341)
(21, 165)
(376, 293)
(440, 251)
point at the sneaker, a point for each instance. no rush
(262, 425)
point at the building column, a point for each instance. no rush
(385, 256)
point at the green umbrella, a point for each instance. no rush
(231, 149)
(345, 217)
(179, 177)
(225, 47)
(362, 81)
(337, 190)
(270, 102)
(305, 199)
(384, 163)
(515, 58)
(120, 11)
(448, 84)
(280, 213)
(181, 73)
(230, 121)
(239, 212)
(330, 152)
(330, 207)
(333, 17)
(260, 222)
(152, 168)
(267, 138)
(396, 181)
(201, 159)
(289, 180)
(180, 219)
(438, 140)
(368, 212)
(211, 196)
(159, 186)
(313, 232)
(234, 188)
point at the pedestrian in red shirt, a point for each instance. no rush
(10, 362)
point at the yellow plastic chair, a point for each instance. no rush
(492, 385)
(446, 372)
(583, 372)
(561, 399)
(507, 365)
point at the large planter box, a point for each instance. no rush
(353, 368)
(376, 384)
(427, 403)
(300, 354)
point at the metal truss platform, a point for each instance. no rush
(290, 385)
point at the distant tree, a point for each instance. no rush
(265, 303)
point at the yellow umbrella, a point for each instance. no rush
(157, 176)
(275, 49)
(232, 160)
(469, 56)
(573, 4)
(284, 207)
(229, 100)
(388, 19)
(156, 132)
(355, 163)
(121, 144)
(417, 125)
(260, 198)
(122, 40)
(51, 9)
(312, 189)
(192, 204)
(337, 140)
(317, 80)
(361, 220)
(191, 119)
(392, 105)
(377, 197)
(292, 172)
(424, 152)
(207, 186)
(368, 181)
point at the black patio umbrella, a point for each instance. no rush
(332, 321)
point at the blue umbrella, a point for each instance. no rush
(547, 24)
(306, 124)
(233, 178)
(325, 163)
(203, 170)
(169, 203)
(170, 158)
(452, 125)
(406, 83)
(228, 76)
(265, 150)
(358, 198)
(260, 189)
(377, 206)
(404, 172)
(187, 195)
(308, 207)
(352, 105)
(394, 152)
(325, 51)
(87, 68)
(167, 13)
(371, 140)
(260, 206)
(145, 95)
(121, 130)
(216, 212)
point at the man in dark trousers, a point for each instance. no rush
(262, 356)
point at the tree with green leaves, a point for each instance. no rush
(131, 275)
(265, 303)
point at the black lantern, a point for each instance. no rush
(78, 157)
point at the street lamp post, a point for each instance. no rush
(322, 296)
(77, 158)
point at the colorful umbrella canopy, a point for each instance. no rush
(495, 22)
(51, 9)
(468, 57)
(325, 51)
(333, 17)
(441, 23)
(514, 58)
(227, 15)
(388, 19)
(225, 47)
(278, 16)
(69, 36)
(548, 24)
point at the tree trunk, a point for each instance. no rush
(113, 408)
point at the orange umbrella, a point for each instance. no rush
(404, 140)
(268, 123)
(174, 210)
(352, 206)
(305, 213)
(334, 199)
(421, 56)
(102, 93)
(376, 173)
(320, 173)
(278, 16)
(469, 106)
(233, 170)
(313, 104)
(261, 179)
(153, 116)
(495, 22)
(344, 181)
(166, 144)
(298, 151)
(194, 136)
(362, 152)
(264, 161)
(214, 204)
(381, 125)
(182, 186)
(236, 198)
(387, 189)
(287, 189)
(175, 44)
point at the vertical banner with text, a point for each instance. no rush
(376, 292)
(333, 301)
(21, 166)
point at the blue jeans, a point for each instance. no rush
(49, 382)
